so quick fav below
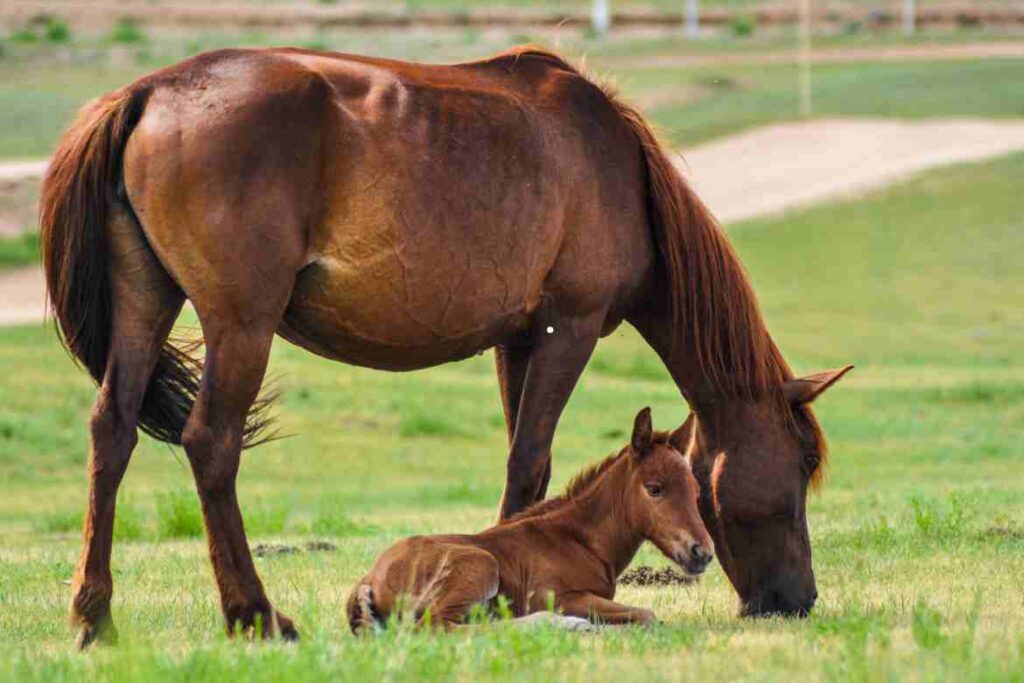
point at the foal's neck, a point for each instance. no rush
(601, 517)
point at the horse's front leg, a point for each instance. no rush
(561, 350)
(236, 360)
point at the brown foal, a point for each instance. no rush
(566, 552)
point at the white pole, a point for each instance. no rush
(692, 19)
(909, 17)
(804, 67)
(601, 16)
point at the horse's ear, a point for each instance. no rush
(802, 390)
(643, 432)
(680, 439)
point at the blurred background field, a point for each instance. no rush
(919, 544)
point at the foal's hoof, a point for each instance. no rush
(558, 621)
(104, 632)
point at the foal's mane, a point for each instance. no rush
(580, 484)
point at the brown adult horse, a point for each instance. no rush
(566, 552)
(399, 216)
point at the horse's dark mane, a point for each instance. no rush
(580, 484)
(715, 313)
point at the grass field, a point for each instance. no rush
(918, 538)
(38, 98)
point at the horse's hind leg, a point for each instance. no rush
(145, 305)
(238, 327)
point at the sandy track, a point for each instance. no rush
(829, 55)
(762, 172)
(777, 168)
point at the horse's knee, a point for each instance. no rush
(214, 461)
(113, 436)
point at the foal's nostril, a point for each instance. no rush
(700, 553)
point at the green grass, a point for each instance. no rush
(19, 251)
(692, 103)
(918, 539)
(713, 101)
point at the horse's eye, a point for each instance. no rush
(653, 489)
(811, 463)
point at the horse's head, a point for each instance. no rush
(661, 498)
(754, 461)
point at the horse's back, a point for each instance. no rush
(471, 197)
(432, 210)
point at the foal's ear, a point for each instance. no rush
(802, 390)
(680, 439)
(643, 432)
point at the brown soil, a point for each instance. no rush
(649, 576)
(272, 549)
(368, 14)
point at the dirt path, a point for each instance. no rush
(777, 168)
(838, 55)
(762, 172)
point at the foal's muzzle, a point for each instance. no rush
(696, 558)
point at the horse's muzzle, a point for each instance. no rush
(779, 601)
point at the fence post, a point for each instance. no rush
(909, 17)
(804, 58)
(692, 19)
(601, 16)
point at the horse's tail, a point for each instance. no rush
(360, 610)
(83, 182)
(714, 309)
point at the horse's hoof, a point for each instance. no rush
(286, 628)
(262, 628)
(104, 632)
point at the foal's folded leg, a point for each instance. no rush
(596, 608)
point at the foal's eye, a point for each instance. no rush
(653, 489)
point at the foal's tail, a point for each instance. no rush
(361, 616)
(82, 183)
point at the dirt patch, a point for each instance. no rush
(649, 576)
(774, 169)
(827, 55)
(1003, 533)
(274, 549)
(370, 14)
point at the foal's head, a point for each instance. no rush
(661, 498)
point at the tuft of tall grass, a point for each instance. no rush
(178, 515)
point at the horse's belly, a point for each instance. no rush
(397, 313)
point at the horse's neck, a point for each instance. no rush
(600, 516)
